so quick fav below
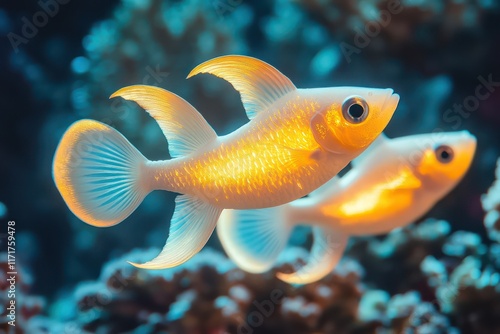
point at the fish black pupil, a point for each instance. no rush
(444, 153)
(356, 110)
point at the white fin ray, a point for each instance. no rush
(326, 252)
(184, 127)
(259, 83)
(99, 173)
(253, 239)
(190, 228)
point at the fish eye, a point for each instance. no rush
(444, 153)
(355, 109)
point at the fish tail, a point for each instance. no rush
(99, 174)
(253, 239)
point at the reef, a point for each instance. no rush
(445, 290)
(491, 204)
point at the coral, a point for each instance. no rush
(446, 270)
(463, 243)
(491, 204)
(470, 294)
(473, 297)
(208, 294)
(426, 319)
(445, 286)
(404, 249)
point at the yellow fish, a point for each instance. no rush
(296, 140)
(390, 185)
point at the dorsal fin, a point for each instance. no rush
(183, 126)
(259, 83)
(381, 141)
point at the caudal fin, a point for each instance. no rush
(98, 173)
(253, 239)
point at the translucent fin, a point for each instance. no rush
(327, 249)
(259, 84)
(253, 239)
(183, 126)
(381, 141)
(192, 224)
(98, 173)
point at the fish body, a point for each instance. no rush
(296, 140)
(393, 183)
(270, 161)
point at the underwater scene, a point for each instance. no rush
(236, 166)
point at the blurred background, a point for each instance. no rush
(60, 61)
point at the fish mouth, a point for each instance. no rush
(391, 102)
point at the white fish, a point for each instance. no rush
(390, 185)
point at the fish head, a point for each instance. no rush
(446, 157)
(351, 118)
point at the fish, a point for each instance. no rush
(390, 185)
(296, 140)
